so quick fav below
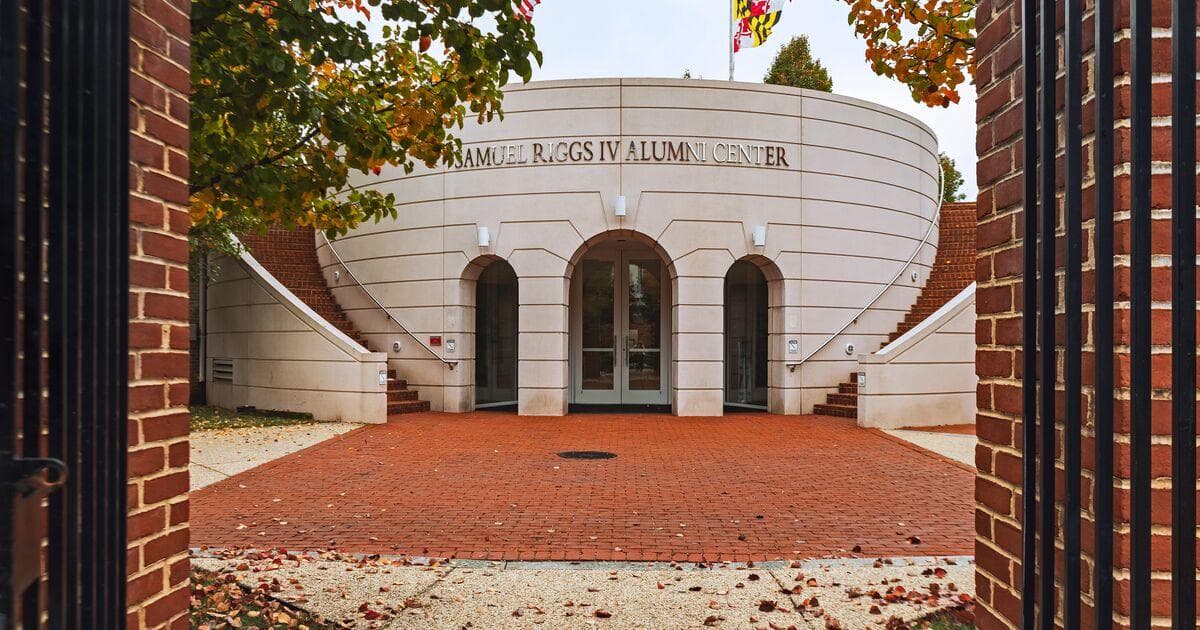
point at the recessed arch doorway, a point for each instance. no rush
(496, 336)
(746, 322)
(620, 331)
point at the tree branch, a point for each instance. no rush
(268, 159)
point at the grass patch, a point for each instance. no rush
(211, 418)
(218, 603)
(946, 622)
(949, 619)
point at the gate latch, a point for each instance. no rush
(27, 473)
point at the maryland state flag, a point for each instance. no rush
(753, 21)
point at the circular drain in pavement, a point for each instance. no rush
(586, 455)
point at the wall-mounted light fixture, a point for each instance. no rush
(619, 206)
(485, 236)
(760, 235)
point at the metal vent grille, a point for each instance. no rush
(222, 370)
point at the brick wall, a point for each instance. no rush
(158, 306)
(998, 334)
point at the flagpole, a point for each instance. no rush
(732, 19)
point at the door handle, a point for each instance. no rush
(26, 472)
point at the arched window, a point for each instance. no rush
(745, 336)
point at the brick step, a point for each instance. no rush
(948, 288)
(930, 304)
(315, 299)
(939, 285)
(837, 411)
(308, 287)
(398, 395)
(849, 400)
(848, 388)
(409, 406)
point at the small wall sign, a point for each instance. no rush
(435, 340)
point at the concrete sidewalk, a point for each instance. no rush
(957, 446)
(375, 592)
(222, 453)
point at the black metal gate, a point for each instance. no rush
(1041, 526)
(64, 172)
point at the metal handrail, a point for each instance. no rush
(387, 313)
(937, 217)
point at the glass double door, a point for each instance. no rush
(619, 328)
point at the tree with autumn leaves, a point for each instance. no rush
(291, 97)
(928, 45)
(794, 65)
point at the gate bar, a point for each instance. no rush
(1029, 315)
(1183, 315)
(1073, 305)
(1139, 306)
(90, 485)
(1049, 297)
(31, 267)
(1102, 325)
(9, 256)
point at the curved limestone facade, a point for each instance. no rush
(674, 242)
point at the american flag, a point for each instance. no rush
(525, 8)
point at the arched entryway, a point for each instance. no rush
(746, 322)
(620, 324)
(496, 336)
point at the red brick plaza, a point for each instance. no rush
(490, 485)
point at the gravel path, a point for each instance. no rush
(222, 453)
(388, 593)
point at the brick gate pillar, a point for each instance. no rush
(158, 590)
(998, 332)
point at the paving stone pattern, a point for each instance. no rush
(489, 485)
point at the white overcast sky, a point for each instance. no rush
(661, 38)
